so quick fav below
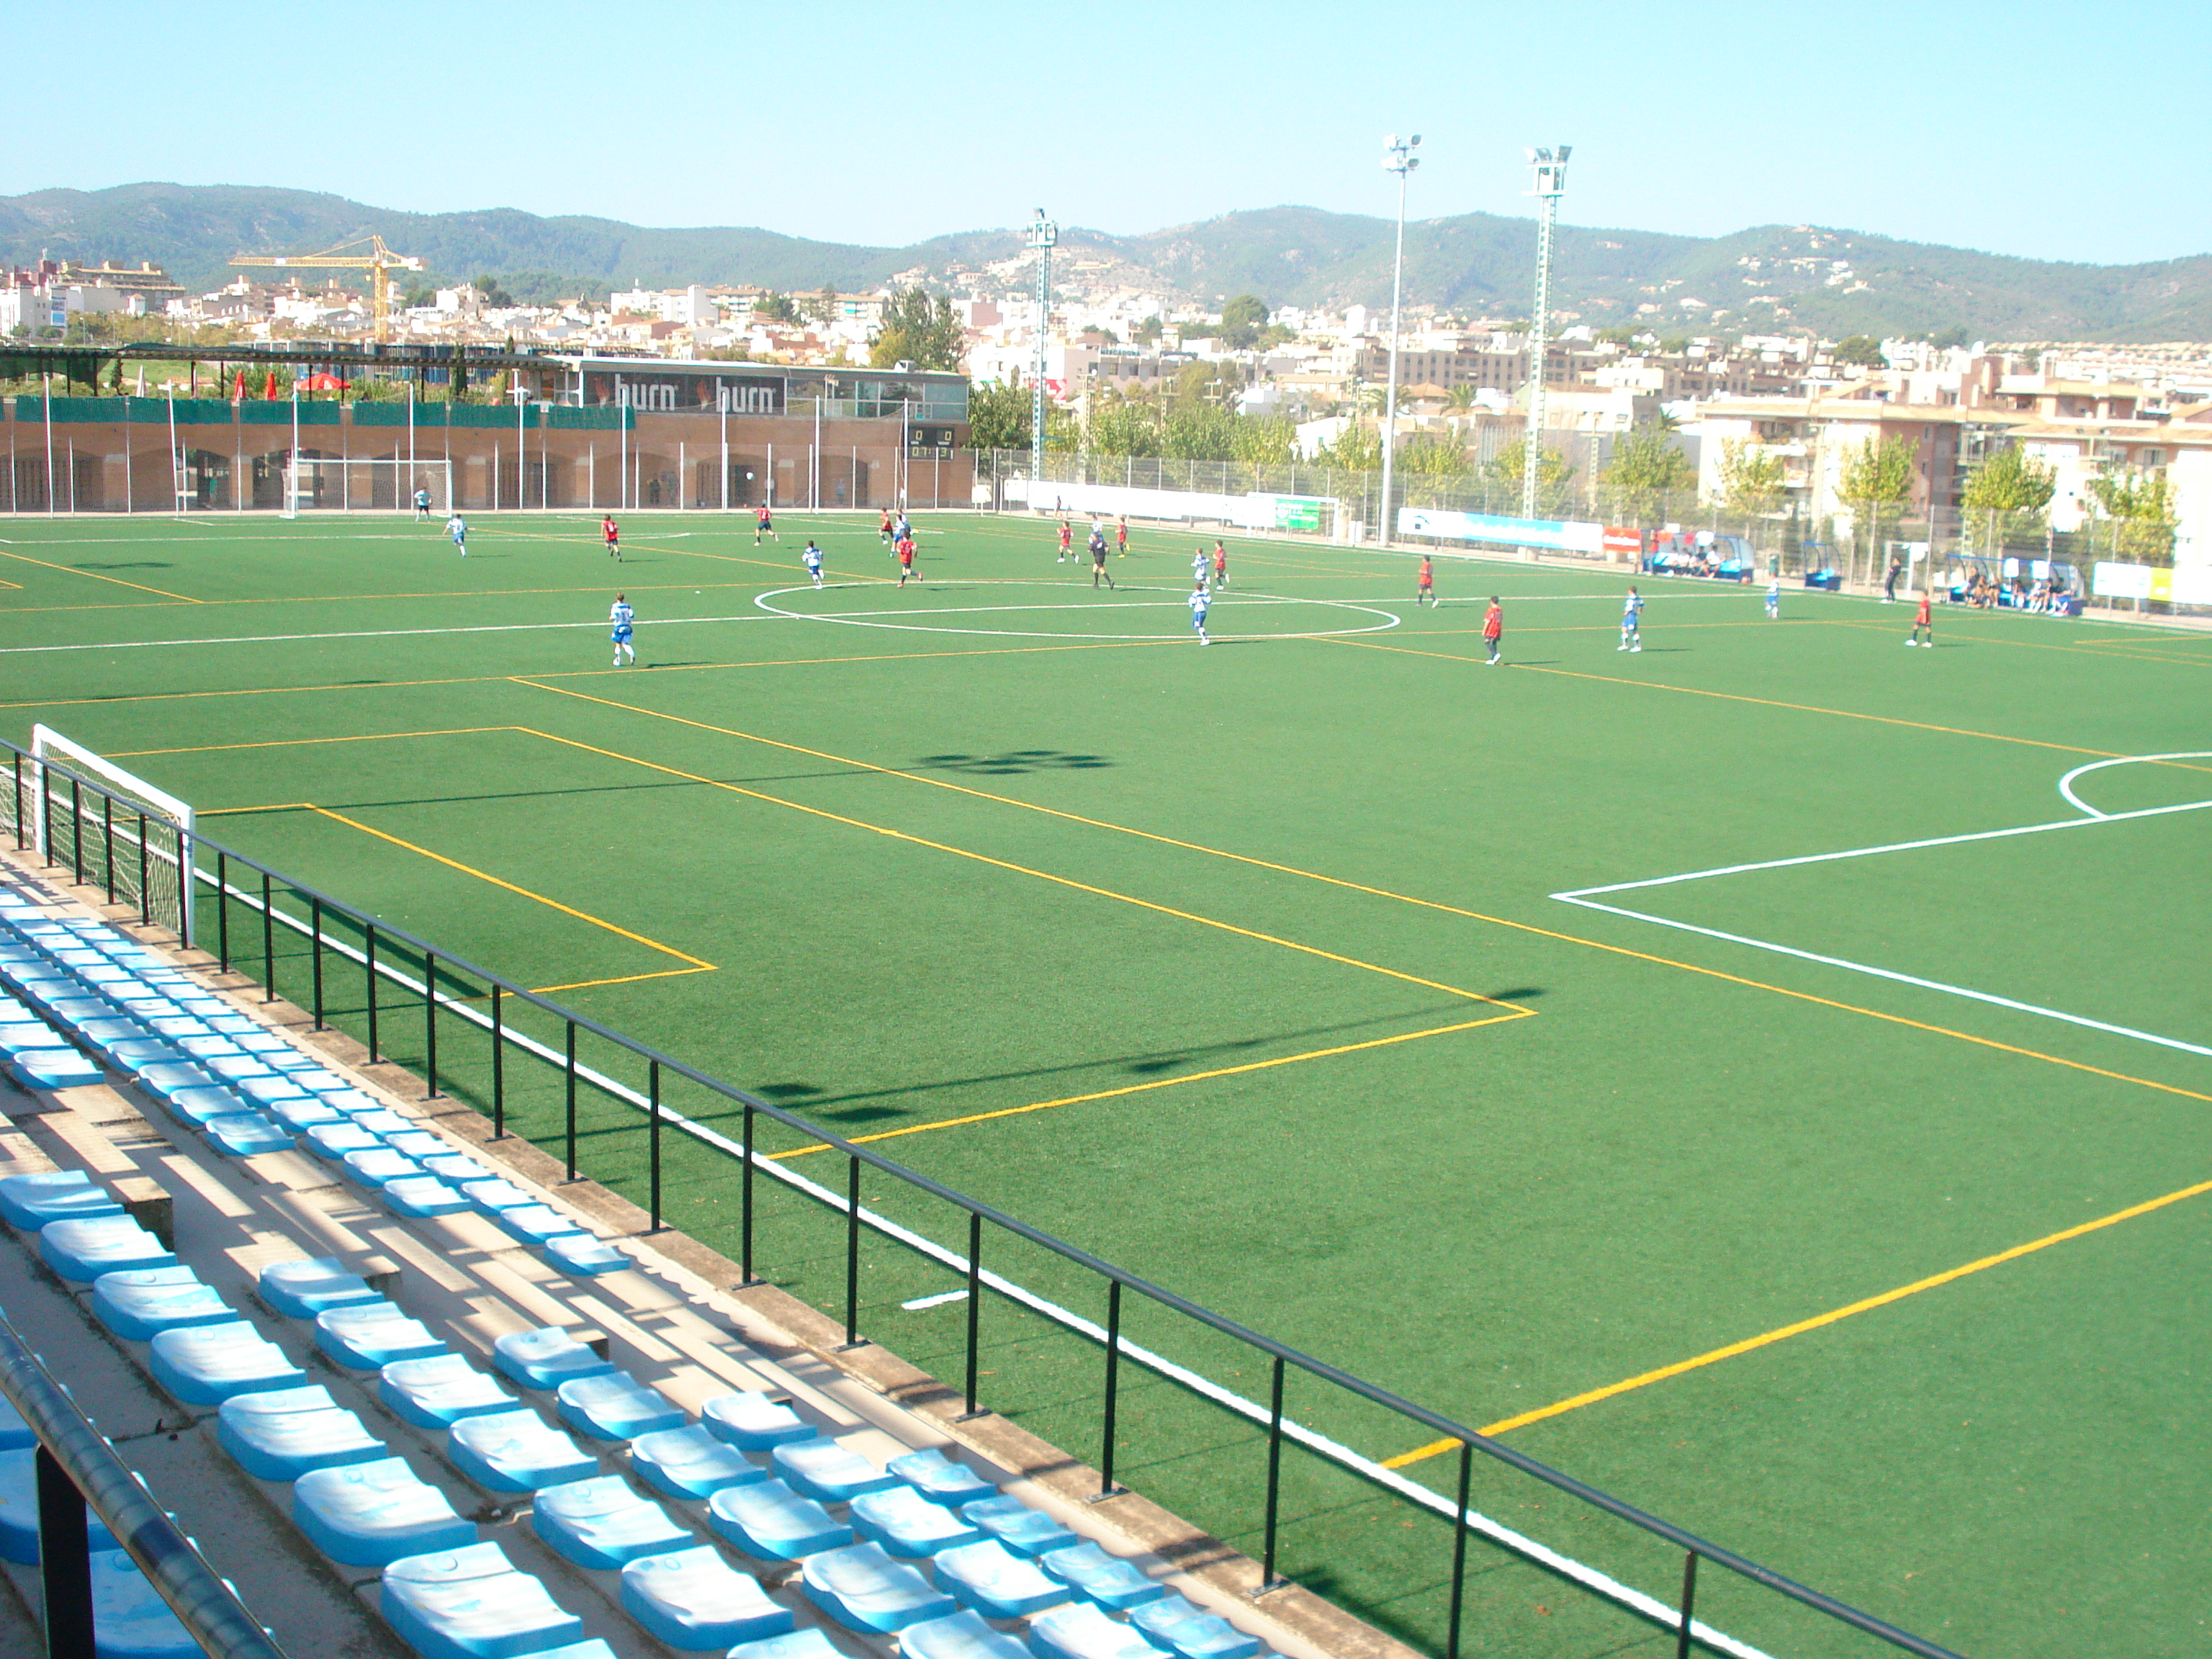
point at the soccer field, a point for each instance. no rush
(1763, 1075)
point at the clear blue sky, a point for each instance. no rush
(2059, 131)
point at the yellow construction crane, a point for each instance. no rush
(379, 262)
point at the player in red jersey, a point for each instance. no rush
(906, 560)
(764, 525)
(1427, 588)
(883, 530)
(1922, 623)
(1220, 565)
(1493, 629)
(1066, 541)
(612, 531)
(1120, 538)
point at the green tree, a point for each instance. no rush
(2010, 489)
(1242, 319)
(1123, 426)
(998, 415)
(823, 305)
(490, 294)
(1147, 332)
(1751, 478)
(1358, 448)
(1432, 455)
(1647, 477)
(2140, 507)
(776, 308)
(918, 330)
(1862, 349)
(1876, 475)
(1501, 476)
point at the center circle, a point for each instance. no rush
(1226, 606)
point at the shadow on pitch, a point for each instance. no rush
(859, 1108)
(1016, 762)
(134, 564)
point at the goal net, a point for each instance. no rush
(331, 484)
(110, 828)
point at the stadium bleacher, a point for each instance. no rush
(500, 1431)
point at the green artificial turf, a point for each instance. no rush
(1275, 919)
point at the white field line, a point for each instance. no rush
(1590, 1578)
(1582, 897)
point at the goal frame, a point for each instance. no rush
(434, 473)
(48, 745)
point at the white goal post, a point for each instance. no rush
(141, 838)
(336, 483)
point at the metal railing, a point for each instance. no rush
(415, 999)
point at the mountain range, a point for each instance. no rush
(1770, 279)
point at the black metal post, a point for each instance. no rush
(107, 841)
(267, 942)
(368, 967)
(653, 1137)
(16, 769)
(1689, 1602)
(47, 811)
(498, 1068)
(315, 917)
(853, 1250)
(1268, 1578)
(571, 1075)
(975, 1304)
(1459, 1550)
(65, 1561)
(1106, 1486)
(76, 830)
(745, 1207)
(145, 882)
(430, 1018)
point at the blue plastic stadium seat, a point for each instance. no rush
(266, 1091)
(515, 1451)
(693, 1599)
(74, 1012)
(19, 1510)
(305, 1114)
(470, 1603)
(1080, 1631)
(537, 1223)
(29, 1201)
(79, 1251)
(808, 1644)
(14, 1430)
(456, 1169)
(1106, 1579)
(769, 1522)
(600, 1523)
(283, 1434)
(197, 1107)
(105, 1034)
(246, 1134)
(994, 1580)
(826, 1471)
(421, 1196)
(490, 1197)
(378, 1165)
(303, 1289)
(55, 1068)
(233, 1069)
(615, 1407)
(584, 1254)
(137, 1057)
(164, 1078)
(438, 1391)
(690, 1463)
(316, 1081)
(940, 1478)
(130, 1620)
(351, 1101)
(335, 1140)
(139, 1302)
(908, 1524)
(370, 1514)
(865, 1590)
(546, 1358)
(1176, 1624)
(962, 1635)
(753, 1422)
(367, 1336)
(206, 1364)
(1018, 1527)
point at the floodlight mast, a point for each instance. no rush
(1397, 158)
(1044, 235)
(1551, 182)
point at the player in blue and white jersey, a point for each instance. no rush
(812, 558)
(1200, 565)
(1631, 617)
(458, 528)
(1774, 598)
(622, 617)
(1200, 599)
(421, 506)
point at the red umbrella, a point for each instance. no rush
(238, 390)
(324, 382)
(269, 390)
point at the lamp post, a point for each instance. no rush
(1398, 158)
(1551, 169)
(1043, 236)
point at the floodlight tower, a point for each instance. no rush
(1551, 169)
(1397, 158)
(1044, 235)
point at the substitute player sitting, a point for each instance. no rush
(622, 617)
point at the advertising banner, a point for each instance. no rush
(1569, 536)
(1623, 542)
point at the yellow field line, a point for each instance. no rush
(2028, 644)
(619, 978)
(360, 599)
(289, 742)
(1041, 875)
(697, 963)
(1784, 1333)
(1157, 1082)
(1384, 892)
(98, 576)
